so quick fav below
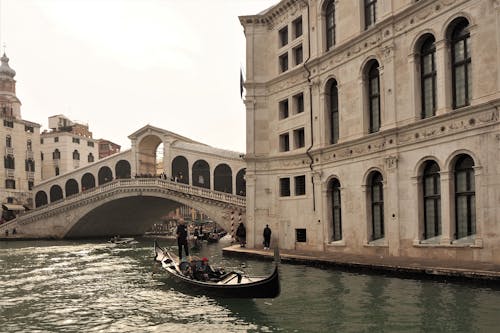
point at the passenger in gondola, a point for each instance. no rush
(203, 270)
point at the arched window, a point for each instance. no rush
(334, 191)
(56, 193)
(330, 24)
(71, 187)
(377, 205)
(370, 13)
(41, 199)
(8, 141)
(201, 174)
(241, 188)
(76, 155)
(432, 200)
(373, 86)
(88, 181)
(180, 169)
(223, 178)
(461, 63)
(105, 175)
(333, 111)
(90, 158)
(428, 77)
(122, 169)
(56, 155)
(465, 197)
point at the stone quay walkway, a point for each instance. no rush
(423, 268)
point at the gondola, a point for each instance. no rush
(228, 285)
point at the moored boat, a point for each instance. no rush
(233, 284)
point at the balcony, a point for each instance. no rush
(29, 154)
(9, 151)
(9, 173)
(30, 175)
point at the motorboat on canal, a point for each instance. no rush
(233, 284)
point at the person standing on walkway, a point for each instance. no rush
(182, 239)
(241, 233)
(267, 237)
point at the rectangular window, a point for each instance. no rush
(10, 183)
(300, 235)
(297, 27)
(283, 62)
(284, 142)
(298, 55)
(298, 103)
(284, 187)
(8, 123)
(283, 34)
(56, 139)
(300, 185)
(29, 129)
(283, 107)
(30, 185)
(90, 144)
(76, 140)
(299, 138)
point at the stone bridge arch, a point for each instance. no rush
(125, 207)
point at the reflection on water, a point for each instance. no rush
(94, 286)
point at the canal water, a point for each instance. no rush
(95, 286)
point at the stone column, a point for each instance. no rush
(391, 205)
(481, 204)
(388, 112)
(250, 212)
(447, 214)
(417, 190)
(415, 97)
(443, 77)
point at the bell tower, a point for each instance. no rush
(10, 106)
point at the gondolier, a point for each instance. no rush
(182, 238)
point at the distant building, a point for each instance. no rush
(20, 147)
(107, 148)
(68, 145)
(373, 127)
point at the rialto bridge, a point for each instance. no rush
(127, 192)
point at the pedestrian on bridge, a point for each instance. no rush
(182, 241)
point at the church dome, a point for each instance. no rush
(5, 68)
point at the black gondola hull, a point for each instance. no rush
(268, 287)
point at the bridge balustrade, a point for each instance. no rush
(137, 183)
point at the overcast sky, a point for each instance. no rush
(119, 65)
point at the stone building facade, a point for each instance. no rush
(20, 147)
(373, 127)
(67, 146)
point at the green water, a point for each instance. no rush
(94, 286)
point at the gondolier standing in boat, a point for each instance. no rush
(182, 238)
